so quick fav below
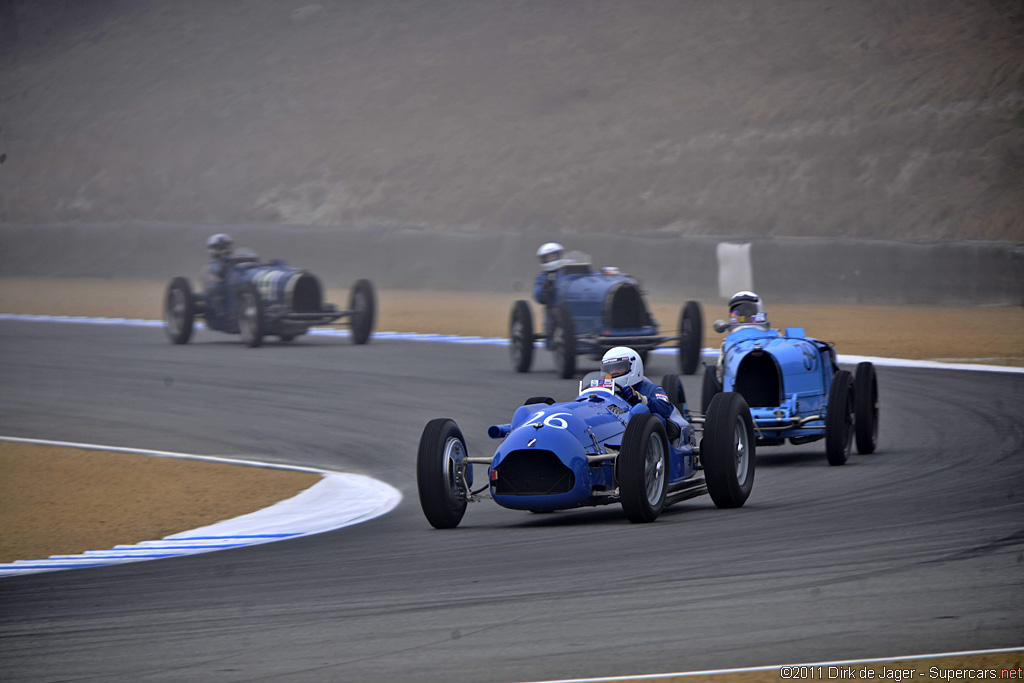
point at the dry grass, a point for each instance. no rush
(995, 334)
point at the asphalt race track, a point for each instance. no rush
(916, 549)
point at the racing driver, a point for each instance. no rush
(624, 366)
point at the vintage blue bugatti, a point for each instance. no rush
(589, 311)
(245, 296)
(796, 391)
(593, 450)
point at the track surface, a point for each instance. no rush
(918, 548)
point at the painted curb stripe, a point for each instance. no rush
(709, 353)
(337, 500)
(775, 667)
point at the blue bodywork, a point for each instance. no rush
(561, 456)
(600, 322)
(785, 379)
(292, 298)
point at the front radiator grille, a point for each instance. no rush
(533, 472)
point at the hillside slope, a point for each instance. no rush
(874, 118)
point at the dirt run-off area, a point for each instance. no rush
(992, 335)
(63, 501)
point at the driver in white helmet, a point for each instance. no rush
(746, 311)
(624, 366)
(221, 247)
(552, 257)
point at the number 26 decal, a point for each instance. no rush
(552, 420)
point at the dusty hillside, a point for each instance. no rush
(889, 119)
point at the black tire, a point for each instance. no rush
(642, 468)
(839, 418)
(547, 400)
(287, 337)
(709, 388)
(179, 311)
(442, 496)
(727, 450)
(363, 306)
(520, 336)
(563, 343)
(673, 387)
(865, 402)
(249, 308)
(691, 336)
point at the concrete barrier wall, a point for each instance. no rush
(794, 270)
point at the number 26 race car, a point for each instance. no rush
(593, 450)
(244, 296)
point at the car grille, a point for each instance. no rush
(306, 298)
(624, 308)
(533, 472)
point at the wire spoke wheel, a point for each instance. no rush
(654, 467)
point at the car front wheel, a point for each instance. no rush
(250, 315)
(839, 418)
(179, 311)
(439, 478)
(727, 450)
(642, 467)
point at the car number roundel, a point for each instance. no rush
(552, 420)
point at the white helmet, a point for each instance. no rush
(219, 245)
(746, 308)
(551, 255)
(623, 364)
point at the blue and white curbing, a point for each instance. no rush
(338, 500)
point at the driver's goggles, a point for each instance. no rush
(616, 367)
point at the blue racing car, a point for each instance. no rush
(795, 390)
(588, 311)
(245, 296)
(593, 450)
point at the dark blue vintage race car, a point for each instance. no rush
(593, 450)
(242, 295)
(590, 311)
(796, 391)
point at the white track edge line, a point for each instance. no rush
(167, 454)
(878, 660)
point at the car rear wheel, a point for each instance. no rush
(179, 311)
(727, 450)
(839, 418)
(673, 387)
(691, 336)
(563, 343)
(642, 467)
(708, 389)
(442, 489)
(520, 334)
(250, 315)
(363, 307)
(865, 401)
